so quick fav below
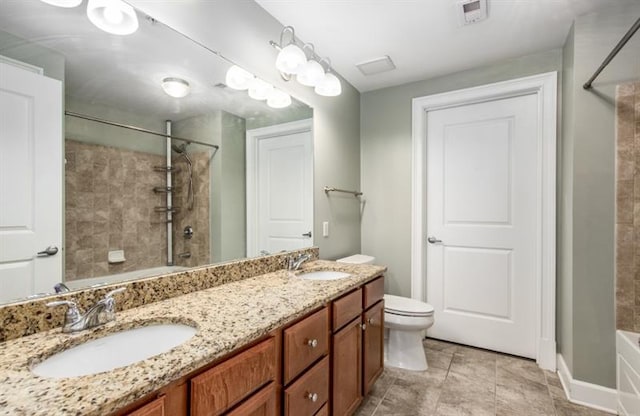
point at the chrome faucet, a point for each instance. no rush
(295, 263)
(102, 312)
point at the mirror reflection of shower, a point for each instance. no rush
(181, 150)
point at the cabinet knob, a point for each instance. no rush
(364, 326)
(370, 321)
(313, 397)
(312, 343)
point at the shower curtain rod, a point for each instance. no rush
(140, 129)
(613, 53)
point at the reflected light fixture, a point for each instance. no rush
(113, 16)
(238, 78)
(290, 58)
(278, 99)
(176, 87)
(309, 72)
(259, 89)
(63, 3)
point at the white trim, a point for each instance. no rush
(586, 394)
(252, 138)
(544, 86)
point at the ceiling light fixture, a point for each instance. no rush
(309, 71)
(278, 99)
(63, 3)
(238, 78)
(176, 87)
(113, 16)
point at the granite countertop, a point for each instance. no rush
(226, 316)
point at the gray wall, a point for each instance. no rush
(386, 157)
(590, 130)
(241, 30)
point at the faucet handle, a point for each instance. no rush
(73, 313)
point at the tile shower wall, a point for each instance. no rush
(109, 205)
(628, 207)
(198, 217)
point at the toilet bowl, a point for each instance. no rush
(405, 321)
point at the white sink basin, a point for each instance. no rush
(324, 275)
(114, 351)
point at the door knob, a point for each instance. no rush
(49, 251)
(307, 234)
(433, 240)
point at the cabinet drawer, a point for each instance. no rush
(155, 408)
(298, 398)
(347, 308)
(305, 342)
(263, 403)
(373, 292)
(228, 383)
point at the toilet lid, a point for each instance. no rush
(399, 305)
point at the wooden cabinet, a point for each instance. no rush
(347, 368)
(358, 348)
(155, 408)
(324, 411)
(373, 346)
(225, 385)
(304, 343)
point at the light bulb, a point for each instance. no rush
(310, 74)
(176, 87)
(238, 78)
(278, 99)
(329, 86)
(259, 89)
(290, 59)
(113, 16)
(63, 3)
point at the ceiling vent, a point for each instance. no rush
(471, 11)
(376, 66)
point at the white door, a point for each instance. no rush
(482, 194)
(30, 182)
(280, 196)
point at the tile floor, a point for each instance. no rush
(469, 381)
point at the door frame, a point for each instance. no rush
(252, 139)
(544, 86)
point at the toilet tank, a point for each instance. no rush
(357, 259)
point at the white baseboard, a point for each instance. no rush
(586, 394)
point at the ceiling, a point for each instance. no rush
(423, 37)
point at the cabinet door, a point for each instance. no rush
(373, 345)
(263, 403)
(155, 408)
(347, 368)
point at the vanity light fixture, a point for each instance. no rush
(238, 78)
(113, 16)
(290, 58)
(278, 99)
(63, 3)
(309, 72)
(176, 87)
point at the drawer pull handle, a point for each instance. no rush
(312, 343)
(364, 327)
(313, 397)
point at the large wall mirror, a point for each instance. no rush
(150, 183)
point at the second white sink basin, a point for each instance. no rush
(114, 351)
(325, 275)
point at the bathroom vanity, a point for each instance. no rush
(270, 344)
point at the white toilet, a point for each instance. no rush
(405, 320)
